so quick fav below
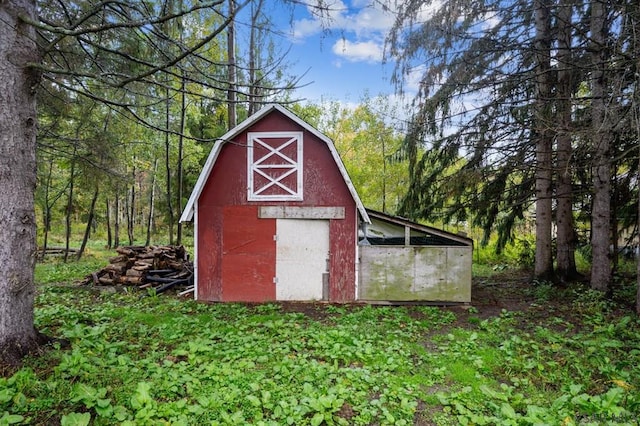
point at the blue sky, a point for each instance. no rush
(342, 50)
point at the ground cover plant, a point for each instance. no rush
(521, 354)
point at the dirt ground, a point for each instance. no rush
(489, 297)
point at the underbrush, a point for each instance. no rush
(161, 360)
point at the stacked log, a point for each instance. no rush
(160, 267)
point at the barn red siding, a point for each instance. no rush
(228, 224)
(249, 255)
(209, 254)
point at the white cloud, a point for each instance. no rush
(413, 79)
(305, 27)
(329, 16)
(368, 20)
(367, 51)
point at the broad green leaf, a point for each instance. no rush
(142, 396)
(317, 419)
(120, 413)
(254, 400)
(507, 411)
(75, 419)
(6, 395)
(85, 393)
(10, 419)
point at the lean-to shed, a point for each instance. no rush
(401, 260)
(275, 215)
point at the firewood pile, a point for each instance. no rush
(160, 267)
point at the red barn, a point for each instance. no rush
(275, 215)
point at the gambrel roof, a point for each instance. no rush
(187, 214)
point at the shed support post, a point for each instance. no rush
(325, 286)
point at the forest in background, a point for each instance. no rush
(135, 191)
(524, 129)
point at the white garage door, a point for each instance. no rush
(302, 252)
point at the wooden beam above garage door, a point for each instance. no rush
(289, 212)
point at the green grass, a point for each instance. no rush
(55, 270)
(160, 360)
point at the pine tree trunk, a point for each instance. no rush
(638, 256)
(544, 140)
(566, 237)
(601, 167)
(183, 120)
(636, 109)
(18, 180)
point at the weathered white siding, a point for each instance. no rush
(415, 273)
(302, 250)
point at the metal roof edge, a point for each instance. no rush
(336, 157)
(406, 222)
(187, 213)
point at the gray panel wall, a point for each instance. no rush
(409, 273)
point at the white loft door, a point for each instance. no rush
(302, 250)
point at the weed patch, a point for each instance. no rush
(154, 360)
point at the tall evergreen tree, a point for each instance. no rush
(474, 112)
(543, 133)
(601, 168)
(18, 170)
(483, 162)
(566, 234)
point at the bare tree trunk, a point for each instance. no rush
(636, 112)
(566, 236)
(131, 210)
(231, 52)
(252, 63)
(183, 112)
(69, 209)
(18, 171)
(544, 145)
(109, 235)
(116, 226)
(635, 251)
(167, 164)
(46, 214)
(254, 90)
(183, 119)
(152, 197)
(87, 230)
(601, 167)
